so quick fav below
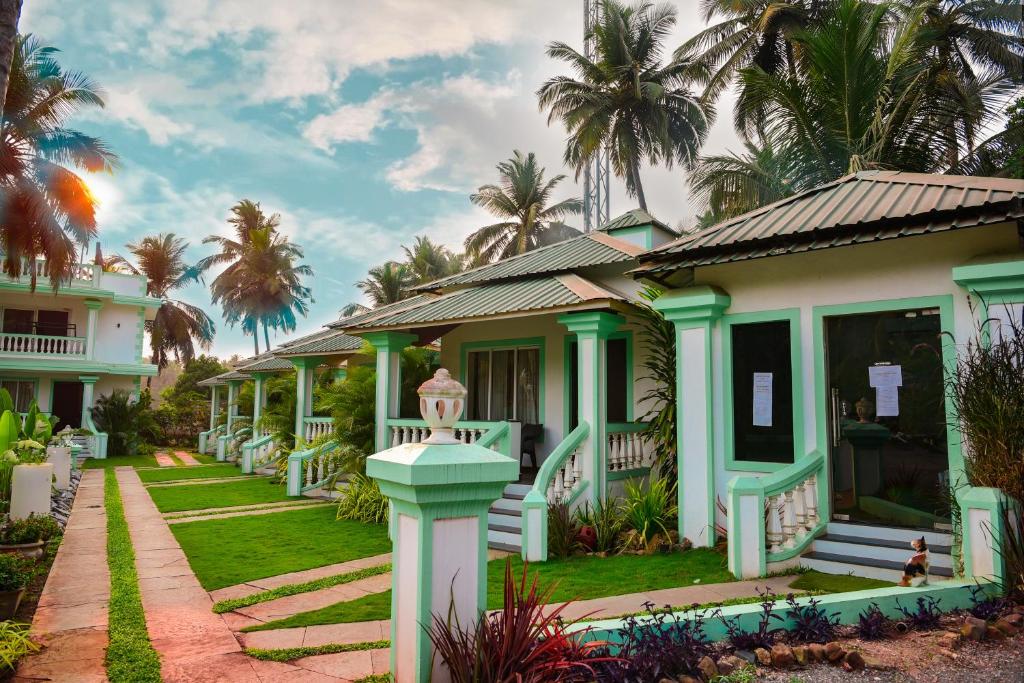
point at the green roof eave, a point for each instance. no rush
(90, 292)
(78, 366)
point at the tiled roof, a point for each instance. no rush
(592, 249)
(861, 207)
(566, 291)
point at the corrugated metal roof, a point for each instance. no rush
(592, 249)
(517, 296)
(222, 378)
(633, 218)
(862, 207)
(354, 320)
(327, 340)
(266, 362)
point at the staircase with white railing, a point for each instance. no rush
(314, 428)
(258, 454)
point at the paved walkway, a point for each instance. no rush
(71, 619)
(164, 460)
(186, 458)
(258, 585)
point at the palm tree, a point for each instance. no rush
(520, 199)
(261, 285)
(177, 326)
(10, 13)
(627, 100)
(731, 184)
(46, 208)
(427, 261)
(386, 284)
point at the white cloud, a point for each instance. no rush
(129, 107)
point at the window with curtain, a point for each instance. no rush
(504, 384)
(762, 392)
(22, 392)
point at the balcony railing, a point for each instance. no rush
(19, 344)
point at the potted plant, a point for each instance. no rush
(15, 573)
(31, 479)
(27, 537)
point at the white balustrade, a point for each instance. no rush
(566, 479)
(318, 468)
(42, 345)
(628, 451)
(402, 434)
(791, 515)
(316, 427)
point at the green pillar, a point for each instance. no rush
(259, 400)
(592, 330)
(305, 371)
(693, 312)
(440, 492)
(389, 347)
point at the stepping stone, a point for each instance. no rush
(186, 459)
(164, 460)
(289, 606)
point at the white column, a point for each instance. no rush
(232, 403)
(258, 401)
(88, 395)
(92, 322)
(389, 347)
(213, 406)
(305, 371)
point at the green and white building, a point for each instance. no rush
(65, 350)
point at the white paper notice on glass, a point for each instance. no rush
(887, 401)
(762, 399)
(885, 376)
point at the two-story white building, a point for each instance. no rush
(64, 350)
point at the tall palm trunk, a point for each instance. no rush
(10, 13)
(639, 186)
(256, 341)
(266, 337)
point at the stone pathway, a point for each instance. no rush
(249, 512)
(164, 460)
(197, 481)
(258, 585)
(71, 619)
(312, 636)
(186, 458)
(282, 608)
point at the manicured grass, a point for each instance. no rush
(203, 458)
(835, 583)
(225, 552)
(296, 588)
(290, 653)
(580, 578)
(130, 655)
(248, 491)
(119, 461)
(202, 472)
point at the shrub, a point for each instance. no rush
(526, 640)
(811, 624)
(15, 571)
(763, 635)
(925, 617)
(659, 645)
(658, 337)
(872, 624)
(124, 419)
(362, 501)
(351, 403)
(15, 643)
(649, 512)
(985, 606)
(35, 528)
(563, 531)
(605, 518)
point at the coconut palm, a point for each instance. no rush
(731, 184)
(10, 13)
(385, 284)
(521, 199)
(261, 285)
(628, 100)
(46, 208)
(177, 326)
(427, 261)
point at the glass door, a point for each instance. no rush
(887, 420)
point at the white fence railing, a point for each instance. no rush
(315, 427)
(42, 345)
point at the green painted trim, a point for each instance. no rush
(93, 304)
(42, 285)
(994, 279)
(944, 302)
(646, 230)
(567, 341)
(503, 344)
(996, 503)
(792, 315)
(385, 344)
(637, 473)
(691, 306)
(140, 335)
(52, 365)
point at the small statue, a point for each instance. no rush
(917, 565)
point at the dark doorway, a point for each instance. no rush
(67, 404)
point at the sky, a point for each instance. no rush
(362, 122)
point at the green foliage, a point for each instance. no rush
(649, 512)
(124, 419)
(418, 365)
(289, 653)
(130, 655)
(350, 403)
(362, 501)
(8, 430)
(297, 588)
(15, 643)
(15, 571)
(658, 339)
(606, 519)
(6, 402)
(185, 407)
(563, 531)
(278, 417)
(31, 530)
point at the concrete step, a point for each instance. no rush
(518, 490)
(505, 528)
(886, 533)
(884, 570)
(506, 547)
(879, 549)
(506, 519)
(507, 505)
(504, 538)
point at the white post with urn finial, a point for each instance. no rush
(440, 491)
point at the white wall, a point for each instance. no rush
(123, 283)
(43, 299)
(910, 267)
(117, 332)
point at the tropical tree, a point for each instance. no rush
(10, 13)
(261, 285)
(177, 326)
(387, 283)
(731, 184)
(46, 208)
(427, 261)
(521, 200)
(627, 100)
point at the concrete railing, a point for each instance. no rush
(506, 435)
(314, 428)
(257, 453)
(23, 344)
(208, 440)
(312, 467)
(627, 449)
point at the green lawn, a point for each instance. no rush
(202, 472)
(225, 552)
(580, 578)
(120, 461)
(248, 491)
(835, 583)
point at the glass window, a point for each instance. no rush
(504, 384)
(616, 381)
(22, 392)
(17, 321)
(762, 392)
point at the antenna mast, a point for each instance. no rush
(596, 210)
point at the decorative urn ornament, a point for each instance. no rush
(441, 402)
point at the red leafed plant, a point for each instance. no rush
(526, 641)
